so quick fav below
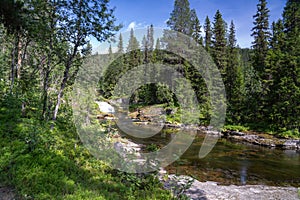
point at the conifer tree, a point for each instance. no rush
(234, 79)
(133, 43)
(208, 34)
(286, 71)
(219, 42)
(261, 34)
(120, 44)
(196, 27)
(277, 39)
(150, 37)
(180, 17)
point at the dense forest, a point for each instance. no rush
(44, 44)
(262, 83)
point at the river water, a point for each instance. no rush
(233, 163)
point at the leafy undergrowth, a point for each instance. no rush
(295, 134)
(52, 164)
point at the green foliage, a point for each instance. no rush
(152, 147)
(208, 34)
(52, 164)
(180, 17)
(235, 128)
(261, 34)
(219, 42)
(289, 133)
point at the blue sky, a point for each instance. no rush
(141, 13)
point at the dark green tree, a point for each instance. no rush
(277, 39)
(261, 34)
(133, 43)
(208, 34)
(120, 44)
(196, 27)
(234, 79)
(180, 17)
(219, 42)
(284, 66)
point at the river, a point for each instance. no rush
(233, 163)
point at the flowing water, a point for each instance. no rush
(233, 163)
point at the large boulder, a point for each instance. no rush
(105, 107)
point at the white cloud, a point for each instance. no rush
(132, 25)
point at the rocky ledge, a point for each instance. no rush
(211, 190)
(262, 140)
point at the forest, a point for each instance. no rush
(44, 45)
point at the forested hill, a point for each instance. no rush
(262, 82)
(45, 44)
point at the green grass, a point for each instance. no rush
(235, 128)
(53, 164)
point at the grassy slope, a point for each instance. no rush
(52, 164)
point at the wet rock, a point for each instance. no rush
(291, 144)
(237, 133)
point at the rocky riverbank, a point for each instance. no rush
(211, 190)
(152, 115)
(196, 190)
(248, 137)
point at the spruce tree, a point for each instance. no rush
(261, 34)
(208, 34)
(234, 79)
(120, 44)
(133, 43)
(277, 39)
(150, 37)
(288, 107)
(219, 42)
(196, 27)
(180, 17)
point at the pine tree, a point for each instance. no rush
(133, 50)
(150, 37)
(196, 27)
(234, 79)
(287, 83)
(261, 34)
(208, 34)
(283, 68)
(133, 43)
(148, 43)
(180, 17)
(277, 39)
(120, 44)
(219, 42)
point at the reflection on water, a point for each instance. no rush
(231, 163)
(243, 171)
